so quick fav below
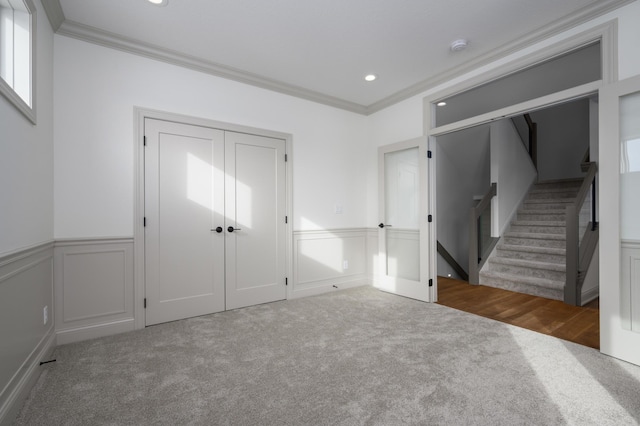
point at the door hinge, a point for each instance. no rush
(286, 219)
(430, 282)
(286, 281)
(429, 218)
(144, 140)
(286, 158)
(145, 303)
(428, 154)
(144, 222)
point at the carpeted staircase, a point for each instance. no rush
(531, 256)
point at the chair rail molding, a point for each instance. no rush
(93, 282)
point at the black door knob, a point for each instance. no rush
(219, 229)
(231, 229)
(381, 225)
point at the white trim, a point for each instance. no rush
(140, 114)
(29, 111)
(567, 95)
(54, 13)
(606, 33)
(94, 35)
(338, 280)
(115, 41)
(12, 404)
(94, 330)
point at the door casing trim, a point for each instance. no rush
(139, 116)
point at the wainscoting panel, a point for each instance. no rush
(93, 288)
(328, 260)
(630, 285)
(26, 291)
(373, 248)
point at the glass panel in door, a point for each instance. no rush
(619, 227)
(402, 238)
(630, 211)
(402, 233)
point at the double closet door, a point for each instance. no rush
(215, 220)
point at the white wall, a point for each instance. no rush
(563, 138)
(512, 169)
(26, 153)
(96, 91)
(405, 120)
(463, 173)
(26, 220)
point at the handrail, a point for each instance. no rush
(475, 260)
(484, 203)
(533, 139)
(572, 288)
(452, 262)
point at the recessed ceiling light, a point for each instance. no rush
(443, 103)
(159, 2)
(370, 77)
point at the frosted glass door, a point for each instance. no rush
(402, 237)
(619, 204)
(630, 211)
(402, 233)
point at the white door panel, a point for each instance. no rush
(198, 179)
(619, 179)
(184, 257)
(255, 203)
(402, 211)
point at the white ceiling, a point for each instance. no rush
(321, 50)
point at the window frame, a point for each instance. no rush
(29, 111)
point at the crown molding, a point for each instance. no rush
(556, 27)
(94, 35)
(54, 13)
(115, 41)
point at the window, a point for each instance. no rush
(17, 42)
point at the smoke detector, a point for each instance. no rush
(459, 45)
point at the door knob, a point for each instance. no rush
(382, 225)
(231, 229)
(218, 229)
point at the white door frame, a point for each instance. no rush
(605, 33)
(420, 289)
(140, 114)
(615, 340)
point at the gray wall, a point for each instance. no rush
(26, 211)
(580, 67)
(463, 172)
(563, 138)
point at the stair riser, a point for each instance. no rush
(524, 255)
(557, 185)
(539, 229)
(534, 242)
(542, 217)
(544, 206)
(549, 293)
(552, 195)
(527, 272)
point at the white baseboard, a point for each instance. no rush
(328, 287)
(589, 295)
(92, 331)
(23, 384)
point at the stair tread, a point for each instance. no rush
(551, 223)
(535, 235)
(531, 264)
(549, 200)
(532, 249)
(539, 282)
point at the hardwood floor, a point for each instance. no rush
(576, 324)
